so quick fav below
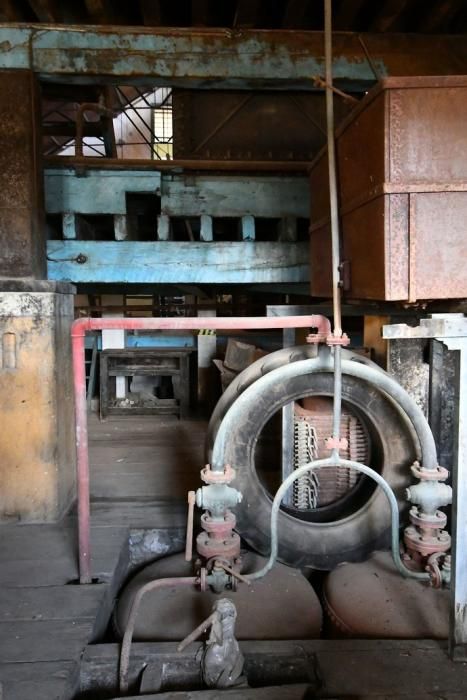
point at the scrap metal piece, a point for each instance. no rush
(222, 664)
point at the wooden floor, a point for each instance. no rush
(141, 469)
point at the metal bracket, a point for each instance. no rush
(451, 330)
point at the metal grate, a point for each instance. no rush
(311, 427)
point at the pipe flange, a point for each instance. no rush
(342, 340)
(438, 474)
(209, 547)
(435, 521)
(219, 528)
(426, 544)
(214, 477)
(316, 338)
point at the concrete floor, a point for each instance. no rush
(141, 471)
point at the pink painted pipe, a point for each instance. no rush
(78, 330)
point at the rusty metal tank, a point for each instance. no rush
(402, 166)
(282, 605)
(372, 600)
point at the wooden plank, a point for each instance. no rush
(49, 640)
(50, 603)
(26, 542)
(167, 262)
(171, 56)
(247, 13)
(152, 13)
(388, 17)
(272, 197)
(100, 192)
(50, 680)
(45, 10)
(294, 14)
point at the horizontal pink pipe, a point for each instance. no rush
(194, 323)
(78, 330)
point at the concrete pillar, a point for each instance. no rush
(22, 228)
(37, 444)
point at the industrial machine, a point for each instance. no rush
(355, 461)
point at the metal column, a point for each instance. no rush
(451, 329)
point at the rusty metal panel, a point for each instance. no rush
(320, 260)
(438, 245)
(402, 161)
(245, 125)
(364, 249)
(22, 233)
(427, 135)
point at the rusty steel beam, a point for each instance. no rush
(257, 59)
(239, 166)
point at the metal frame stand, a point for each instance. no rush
(451, 330)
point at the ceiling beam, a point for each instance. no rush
(200, 13)
(10, 12)
(346, 14)
(439, 17)
(250, 59)
(246, 13)
(389, 15)
(152, 12)
(45, 10)
(294, 13)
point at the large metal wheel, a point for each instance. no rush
(352, 527)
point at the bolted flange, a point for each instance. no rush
(209, 547)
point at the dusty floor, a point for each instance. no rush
(138, 479)
(141, 470)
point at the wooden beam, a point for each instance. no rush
(200, 13)
(346, 15)
(10, 12)
(389, 16)
(97, 11)
(246, 13)
(152, 13)
(250, 59)
(294, 13)
(440, 15)
(170, 262)
(45, 10)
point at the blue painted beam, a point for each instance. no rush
(187, 57)
(169, 262)
(98, 192)
(104, 192)
(259, 195)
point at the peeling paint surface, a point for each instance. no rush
(37, 418)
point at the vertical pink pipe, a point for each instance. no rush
(82, 457)
(78, 331)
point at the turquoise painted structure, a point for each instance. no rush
(181, 57)
(170, 262)
(281, 260)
